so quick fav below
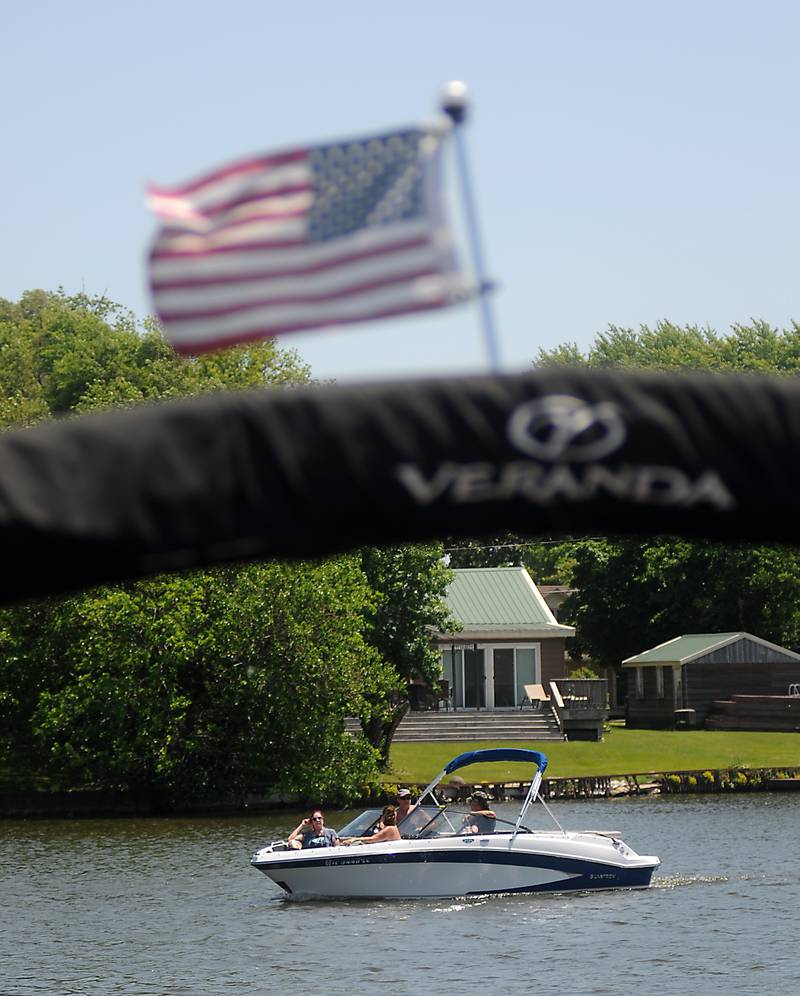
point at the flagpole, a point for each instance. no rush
(454, 105)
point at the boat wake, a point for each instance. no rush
(677, 881)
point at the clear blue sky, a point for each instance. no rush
(633, 161)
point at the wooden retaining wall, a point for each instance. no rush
(640, 783)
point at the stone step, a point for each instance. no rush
(471, 731)
(472, 725)
(441, 736)
(475, 725)
(458, 720)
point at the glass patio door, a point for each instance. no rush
(474, 680)
(503, 678)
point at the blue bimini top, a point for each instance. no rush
(498, 754)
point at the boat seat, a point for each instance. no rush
(535, 695)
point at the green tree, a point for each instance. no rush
(633, 594)
(187, 684)
(757, 347)
(506, 550)
(215, 683)
(548, 561)
(409, 584)
(60, 355)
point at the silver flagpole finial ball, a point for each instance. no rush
(454, 100)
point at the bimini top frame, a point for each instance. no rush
(517, 754)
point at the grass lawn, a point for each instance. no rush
(621, 752)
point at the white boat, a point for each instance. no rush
(442, 859)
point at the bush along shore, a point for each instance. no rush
(91, 804)
(720, 780)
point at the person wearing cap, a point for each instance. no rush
(480, 818)
(410, 817)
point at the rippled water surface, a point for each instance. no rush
(172, 906)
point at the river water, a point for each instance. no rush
(171, 906)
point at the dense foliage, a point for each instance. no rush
(204, 683)
(755, 348)
(410, 584)
(200, 684)
(633, 594)
(60, 355)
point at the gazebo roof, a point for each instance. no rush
(691, 646)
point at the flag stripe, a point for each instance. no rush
(227, 259)
(254, 195)
(252, 225)
(190, 347)
(237, 272)
(234, 172)
(260, 299)
(277, 321)
(325, 281)
(279, 212)
(273, 234)
(285, 205)
(219, 196)
(271, 315)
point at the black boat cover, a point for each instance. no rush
(312, 471)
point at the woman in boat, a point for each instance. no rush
(312, 832)
(388, 829)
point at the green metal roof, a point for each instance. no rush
(681, 648)
(498, 599)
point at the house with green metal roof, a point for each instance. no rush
(509, 638)
(694, 673)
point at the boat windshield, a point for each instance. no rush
(422, 823)
(416, 824)
(361, 824)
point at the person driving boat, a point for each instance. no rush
(480, 819)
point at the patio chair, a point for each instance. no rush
(444, 698)
(535, 695)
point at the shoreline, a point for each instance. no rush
(87, 804)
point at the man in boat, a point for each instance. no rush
(480, 818)
(312, 832)
(410, 818)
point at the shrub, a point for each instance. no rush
(582, 672)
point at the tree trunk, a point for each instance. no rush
(380, 732)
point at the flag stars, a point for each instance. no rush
(360, 184)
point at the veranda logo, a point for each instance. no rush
(560, 427)
(558, 430)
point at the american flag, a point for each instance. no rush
(337, 233)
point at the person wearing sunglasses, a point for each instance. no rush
(410, 818)
(312, 832)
